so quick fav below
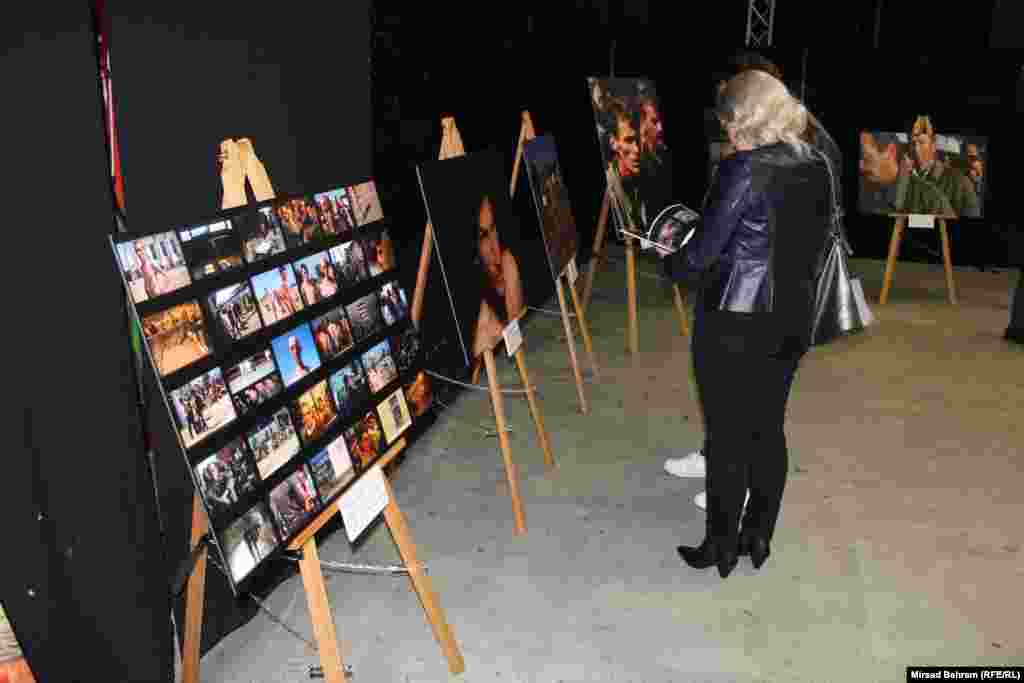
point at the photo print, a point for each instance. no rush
(316, 278)
(249, 540)
(467, 204)
(226, 476)
(333, 334)
(298, 221)
(277, 293)
(202, 407)
(379, 366)
(273, 442)
(394, 416)
(630, 130)
(153, 265)
(550, 196)
(314, 412)
(233, 312)
(336, 213)
(363, 439)
(349, 263)
(365, 316)
(922, 171)
(404, 349)
(210, 249)
(393, 305)
(260, 234)
(293, 502)
(254, 381)
(350, 389)
(295, 353)
(366, 203)
(176, 337)
(420, 394)
(332, 469)
(380, 254)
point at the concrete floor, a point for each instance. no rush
(899, 543)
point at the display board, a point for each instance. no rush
(286, 357)
(551, 197)
(922, 171)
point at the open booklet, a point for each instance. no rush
(671, 229)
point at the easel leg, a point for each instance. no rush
(194, 597)
(320, 614)
(538, 417)
(581, 318)
(596, 255)
(948, 259)
(684, 325)
(421, 583)
(570, 340)
(890, 264)
(421, 275)
(633, 331)
(506, 449)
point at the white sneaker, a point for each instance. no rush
(701, 500)
(691, 465)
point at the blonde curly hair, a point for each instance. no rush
(761, 111)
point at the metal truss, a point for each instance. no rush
(760, 22)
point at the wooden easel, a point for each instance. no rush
(899, 224)
(527, 133)
(451, 146)
(632, 331)
(316, 592)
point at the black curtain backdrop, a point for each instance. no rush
(82, 581)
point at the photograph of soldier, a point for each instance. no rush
(363, 439)
(420, 394)
(277, 293)
(350, 389)
(176, 337)
(248, 541)
(336, 212)
(332, 469)
(366, 203)
(260, 234)
(153, 265)
(365, 317)
(298, 220)
(404, 348)
(332, 333)
(226, 476)
(211, 249)
(394, 415)
(314, 412)
(380, 368)
(233, 312)
(558, 226)
(316, 278)
(349, 263)
(293, 502)
(380, 254)
(202, 407)
(295, 353)
(393, 305)
(273, 442)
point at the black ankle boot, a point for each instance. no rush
(708, 554)
(756, 547)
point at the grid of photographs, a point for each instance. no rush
(211, 249)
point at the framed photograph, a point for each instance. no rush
(260, 234)
(298, 220)
(314, 412)
(234, 313)
(336, 213)
(420, 394)
(293, 502)
(254, 381)
(550, 196)
(277, 293)
(177, 337)
(366, 203)
(332, 469)
(226, 476)
(380, 254)
(316, 278)
(350, 389)
(364, 438)
(203, 406)
(333, 334)
(379, 366)
(153, 265)
(394, 415)
(365, 316)
(349, 263)
(393, 305)
(273, 442)
(295, 353)
(404, 349)
(249, 540)
(210, 249)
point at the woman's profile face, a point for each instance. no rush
(487, 238)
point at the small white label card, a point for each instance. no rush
(361, 504)
(571, 272)
(921, 220)
(513, 337)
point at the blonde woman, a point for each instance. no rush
(765, 225)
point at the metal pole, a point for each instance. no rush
(878, 22)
